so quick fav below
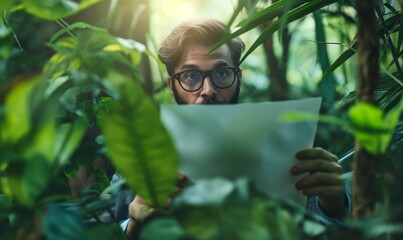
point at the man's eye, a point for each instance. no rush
(193, 76)
(222, 73)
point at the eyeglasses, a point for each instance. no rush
(192, 80)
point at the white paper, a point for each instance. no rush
(242, 140)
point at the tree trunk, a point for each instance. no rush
(365, 165)
(277, 66)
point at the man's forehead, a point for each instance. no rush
(192, 53)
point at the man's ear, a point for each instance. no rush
(240, 75)
(169, 83)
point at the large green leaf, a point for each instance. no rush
(371, 127)
(17, 119)
(29, 133)
(55, 9)
(61, 223)
(163, 228)
(137, 142)
(26, 180)
(36, 148)
(29, 119)
(6, 4)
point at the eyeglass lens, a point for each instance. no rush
(193, 79)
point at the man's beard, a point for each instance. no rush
(213, 100)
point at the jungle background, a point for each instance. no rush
(79, 92)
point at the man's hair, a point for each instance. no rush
(205, 32)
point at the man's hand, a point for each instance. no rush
(140, 210)
(324, 179)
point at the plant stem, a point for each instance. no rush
(12, 31)
(365, 165)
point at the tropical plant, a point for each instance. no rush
(71, 103)
(372, 128)
(51, 127)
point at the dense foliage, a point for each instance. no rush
(73, 110)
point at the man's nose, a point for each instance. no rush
(208, 89)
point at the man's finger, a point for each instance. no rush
(319, 179)
(316, 165)
(316, 153)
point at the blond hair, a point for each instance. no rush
(205, 32)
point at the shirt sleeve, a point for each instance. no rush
(314, 202)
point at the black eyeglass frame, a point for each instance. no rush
(235, 70)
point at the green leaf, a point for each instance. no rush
(43, 140)
(269, 13)
(263, 16)
(68, 139)
(392, 117)
(55, 9)
(26, 180)
(79, 25)
(29, 131)
(380, 11)
(240, 5)
(163, 228)
(62, 224)
(299, 9)
(30, 119)
(259, 218)
(400, 37)
(6, 4)
(201, 222)
(17, 120)
(4, 32)
(105, 232)
(339, 61)
(218, 190)
(313, 228)
(131, 44)
(137, 142)
(129, 47)
(287, 6)
(371, 128)
(400, 82)
(5, 204)
(113, 188)
(293, 15)
(295, 116)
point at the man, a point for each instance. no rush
(196, 77)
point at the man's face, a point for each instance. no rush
(196, 56)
